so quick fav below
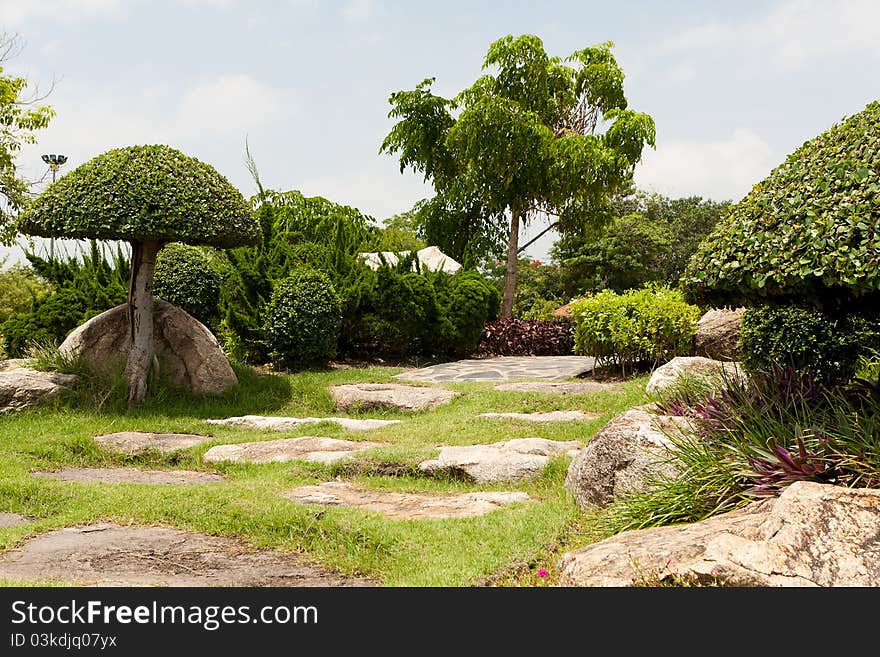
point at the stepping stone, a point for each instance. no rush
(389, 395)
(552, 416)
(138, 442)
(110, 555)
(405, 506)
(22, 387)
(317, 449)
(502, 368)
(288, 423)
(572, 388)
(131, 476)
(13, 520)
(513, 460)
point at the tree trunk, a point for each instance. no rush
(512, 264)
(140, 317)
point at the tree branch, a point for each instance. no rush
(537, 237)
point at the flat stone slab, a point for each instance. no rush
(405, 506)
(551, 416)
(568, 388)
(317, 449)
(389, 395)
(110, 555)
(131, 476)
(512, 460)
(13, 520)
(22, 387)
(138, 442)
(288, 423)
(503, 368)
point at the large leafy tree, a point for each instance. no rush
(535, 136)
(20, 117)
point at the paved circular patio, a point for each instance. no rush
(503, 368)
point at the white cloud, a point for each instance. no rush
(719, 169)
(793, 35)
(17, 12)
(355, 10)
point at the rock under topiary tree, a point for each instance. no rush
(809, 233)
(147, 196)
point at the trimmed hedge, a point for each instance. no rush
(184, 277)
(526, 337)
(652, 324)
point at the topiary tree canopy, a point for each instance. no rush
(147, 196)
(809, 232)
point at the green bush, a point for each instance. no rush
(807, 340)
(20, 289)
(184, 277)
(466, 302)
(652, 324)
(302, 319)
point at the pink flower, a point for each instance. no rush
(543, 573)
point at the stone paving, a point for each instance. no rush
(138, 442)
(502, 368)
(131, 476)
(550, 416)
(13, 520)
(287, 423)
(317, 449)
(557, 388)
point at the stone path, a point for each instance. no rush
(552, 388)
(138, 442)
(110, 555)
(405, 506)
(288, 423)
(131, 476)
(512, 460)
(551, 416)
(502, 368)
(13, 520)
(306, 448)
(389, 395)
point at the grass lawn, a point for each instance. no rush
(504, 547)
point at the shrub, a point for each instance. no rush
(302, 319)
(526, 337)
(467, 301)
(20, 289)
(805, 339)
(184, 277)
(652, 324)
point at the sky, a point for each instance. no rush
(733, 87)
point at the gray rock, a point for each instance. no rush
(13, 520)
(718, 334)
(389, 395)
(21, 387)
(188, 353)
(555, 388)
(551, 416)
(405, 506)
(812, 535)
(288, 423)
(712, 371)
(137, 442)
(130, 476)
(623, 458)
(317, 449)
(512, 460)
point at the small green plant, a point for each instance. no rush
(302, 319)
(185, 277)
(651, 324)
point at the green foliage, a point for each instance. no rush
(20, 118)
(20, 289)
(467, 301)
(524, 142)
(539, 288)
(829, 347)
(302, 319)
(85, 286)
(143, 193)
(807, 232)
(400, 232)
(652, 324)
(185, 277)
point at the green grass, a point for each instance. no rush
(502, 547)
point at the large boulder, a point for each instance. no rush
(718, 334)
(812, 535)
(714, 372)
(624, 457)
(22, 387)
(188, 353)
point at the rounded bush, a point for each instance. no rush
(185, 277)
(807, 340)
(468, 301)
(302, 319)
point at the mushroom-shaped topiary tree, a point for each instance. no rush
(147, 196)
(808, 234)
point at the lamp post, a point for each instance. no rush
(54, 161)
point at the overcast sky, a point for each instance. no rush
(732, 86)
